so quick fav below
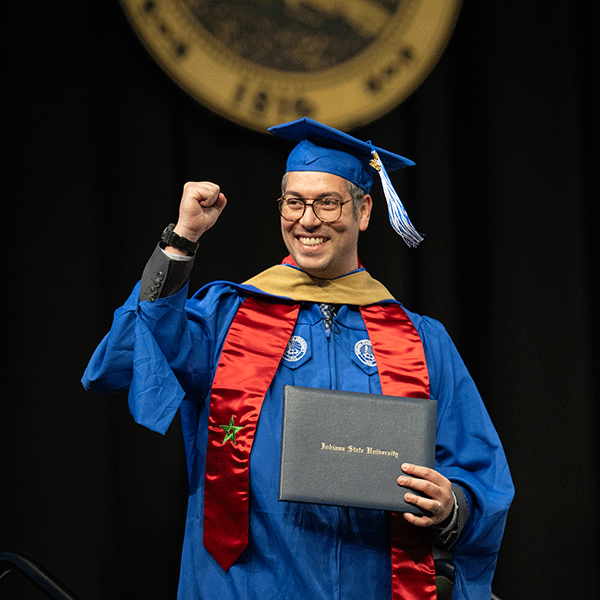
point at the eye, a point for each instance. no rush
(293, 202)
(328, 203)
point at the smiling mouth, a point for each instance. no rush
(311, 241)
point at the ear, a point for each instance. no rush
(364, 212)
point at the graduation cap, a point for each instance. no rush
(325, 149)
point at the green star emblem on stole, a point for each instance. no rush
(230, 431)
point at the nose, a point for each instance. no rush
(309, 219)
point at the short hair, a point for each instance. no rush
(356, 194)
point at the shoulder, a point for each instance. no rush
(443, 359)
(430, 329)
(215, 290)
(222, 297)
(223, 290)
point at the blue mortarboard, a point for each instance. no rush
(324, 149)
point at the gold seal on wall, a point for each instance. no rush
(263, 62)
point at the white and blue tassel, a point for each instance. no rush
(397, 213)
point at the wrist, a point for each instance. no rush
(176, 251)
(176, 243)
(186, 232)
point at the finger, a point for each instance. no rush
(419, 485)
(430, 506)
(220, 201)
(203, 192)
(418, 521)
(214, 198)
(431, 510)
(426, 481)
(423, 472)
(437, 509)
(423, 518)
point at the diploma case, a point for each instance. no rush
(347, 448)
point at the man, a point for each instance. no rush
(223, 357)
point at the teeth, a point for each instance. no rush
(312, 241)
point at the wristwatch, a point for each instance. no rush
(170, 238)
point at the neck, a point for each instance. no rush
(288, 260)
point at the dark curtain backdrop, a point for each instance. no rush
(98, 143)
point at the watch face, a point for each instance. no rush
(264, 62)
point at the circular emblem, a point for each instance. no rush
(295, 349)
(364, 351)
(264, 62)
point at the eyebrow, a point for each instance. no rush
(319, 196)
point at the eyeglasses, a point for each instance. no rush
(327, 210)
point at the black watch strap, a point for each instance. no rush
(170, 238)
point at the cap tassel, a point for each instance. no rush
(398, 216)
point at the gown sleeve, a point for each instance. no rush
(162, 352)
(469, 453)
(147, 351)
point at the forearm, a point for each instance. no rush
(165, 274)
(446, 533)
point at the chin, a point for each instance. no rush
(317, 270)
(311, 268)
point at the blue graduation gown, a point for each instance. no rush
(165, 353)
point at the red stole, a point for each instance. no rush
(250, 357)
(252, 351)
